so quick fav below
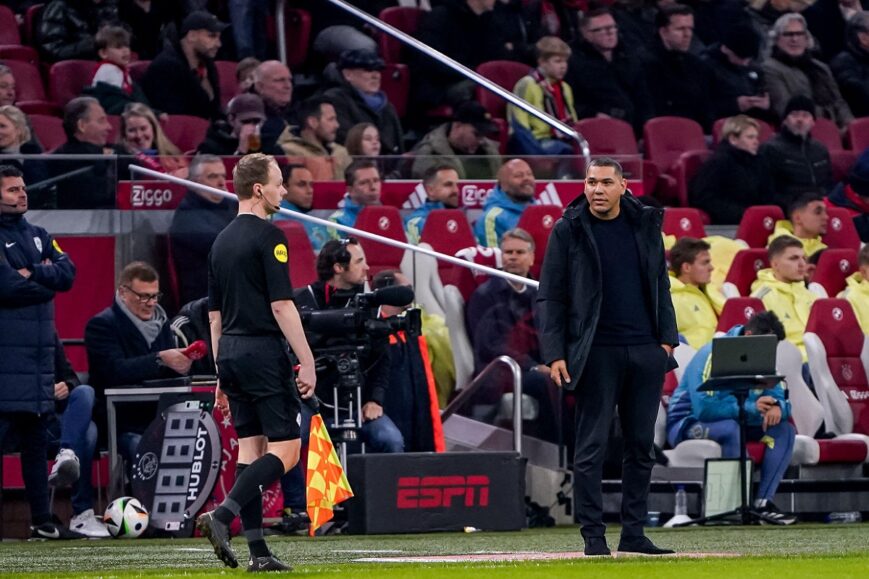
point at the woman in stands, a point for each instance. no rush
(16, 139)
(143, 137)
(363, 140)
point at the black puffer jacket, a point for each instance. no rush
(66, 28)
(679, 83)
(797, 165)
(730, 81)
(570, 289)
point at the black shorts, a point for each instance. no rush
(256, 375)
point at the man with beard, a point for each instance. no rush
(505, 204)
(441, 184)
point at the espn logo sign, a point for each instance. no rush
(432, 492)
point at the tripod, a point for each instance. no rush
(739, 387)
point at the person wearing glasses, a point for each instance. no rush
(130, 342)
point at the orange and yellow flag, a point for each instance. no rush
(327, 484)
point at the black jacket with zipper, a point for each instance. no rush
(797, 165)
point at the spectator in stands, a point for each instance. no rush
(696, 414)
(316, 138)
(245, 73)
(299, 197)
(248, 19)
(441, 184)
(798, 163)
(195, 225)
(143, 137)
(66, 28)
(738, 86)
(782, 288)
(506, 202)
(363, 189)
(7, 86)
(363, 140)
(607, 80)
(501, 320)
(827, 20)
(130, 342)
(273, 81)
(735, 177)
(358, 98)
(791, 71)
(679, 82)
(241, 132)
(111, 83)
(16, 139)
(148, 22)
(696, 302)
(183, 80)
(461, 143)
(853, 195)
(88, 184)
(32, 269)
(764, 14)
(857, 290)
(807, 221)
(851, 66)
(74, 434)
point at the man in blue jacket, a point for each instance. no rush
(32, 269)
(505, 204)
(693, 414)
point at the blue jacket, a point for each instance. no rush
(345, 216)
(316, 233)
(500, 214)
(27, 333)
(415, 222)
(688, 405)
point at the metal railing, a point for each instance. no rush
(475, 384)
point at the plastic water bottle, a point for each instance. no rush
(846, 517)
(681, 501)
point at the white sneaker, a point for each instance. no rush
(88, 525)
(65, 470)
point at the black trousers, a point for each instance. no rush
(32, 432)
(630, 377)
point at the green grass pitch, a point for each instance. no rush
(837, 551)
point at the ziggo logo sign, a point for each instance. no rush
(142, 197)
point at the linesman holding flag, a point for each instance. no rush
(252, 318)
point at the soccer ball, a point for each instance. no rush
(126, 518)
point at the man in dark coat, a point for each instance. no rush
(183, 80)
(827, 20)
(32, 269)
(66, 28)
(607, 333)
(851, 66)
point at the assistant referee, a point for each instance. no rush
(252, 317)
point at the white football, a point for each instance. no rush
(126, 518)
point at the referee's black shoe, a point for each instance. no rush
(218, 534)
(268, 563)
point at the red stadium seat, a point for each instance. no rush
(138, 68)
(666, 138)
(49, 131)
(395, 82)
(298, 28)
(608, 136)
(766, 132)
(404, 19)
(841, 232)
(683, 222)
(738, 311)
(8, 26)
(17, 52)
(31, 18)
(758, 223)
(685, 169)
(28, 81)
(447, 231)
(827, 132)
(386, 221)
(504, 73)
(67, 78)
(538, 220)
(842, 162)
(858, 134)
(834, 267)
(185, 131)
(228, 82)
(743, 272)
(467, 280)
(303, 263)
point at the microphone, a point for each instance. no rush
(396, 295)
(272, 208)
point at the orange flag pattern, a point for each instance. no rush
(327, 484)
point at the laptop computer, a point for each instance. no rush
(744, 357)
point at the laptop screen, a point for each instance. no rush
(743, 356)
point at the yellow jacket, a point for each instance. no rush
(529, 89)
(785, 227)
(857, 293)
(696, 311)
(791, 302)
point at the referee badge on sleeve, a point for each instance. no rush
(281, 253)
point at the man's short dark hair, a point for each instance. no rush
(803, 201)
(593, 13)
(334, 251)
(357, 165)
(312, 108)
(765, 324)
(685, 251)
(10, 171)
(112, 37)
(432, 172)
(139, 270)
(780, 244)
(666, 14)
(250, 170)
(74, 111)
(287, 170)
(607, 162)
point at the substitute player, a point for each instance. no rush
(251, 312)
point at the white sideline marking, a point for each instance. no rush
(528, 556)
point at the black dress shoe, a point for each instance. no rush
(596, 547)
(641, 545)
(268, 563)
(218, 534)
